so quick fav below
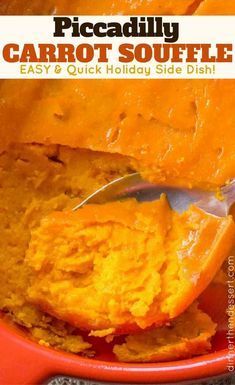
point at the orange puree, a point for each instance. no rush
(87, 7)
(124, 265)
(34, 181)
(128, 7)
(177, 132)
(186, 336)
(216, 7)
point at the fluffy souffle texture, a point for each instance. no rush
(35, 180)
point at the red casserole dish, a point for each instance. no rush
(24, 362)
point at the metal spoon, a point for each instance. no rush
(133, 185)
